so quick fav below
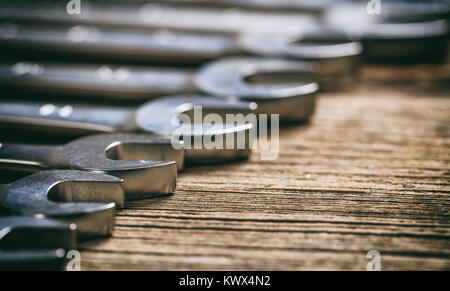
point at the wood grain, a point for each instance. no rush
(369, 172)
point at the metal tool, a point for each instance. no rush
(118, 43)
(394, 36)
(391, 11)
(337, 56)
(252, 80)
(155, 117)
(398, 33)
(153, 15)
(84, 198)
(316, 7)
(143, 83)
(28, 243)
(128, 83)
(145, 162)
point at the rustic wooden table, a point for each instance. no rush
(369, 172)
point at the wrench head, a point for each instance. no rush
(278, 86)
(147, 163)
(162, 116)
(80, 197)
(305, 43)
(22, 232)
(335, 53)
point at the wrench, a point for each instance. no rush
(316, 7)
(293, 101)
(86, 199)
(154, 117)
(383, 36)
(404, 32)
(154, 15)
(146, 163)
(123, 82)
(106, 43)
(165, 46)
(28, 243)
(336, 55)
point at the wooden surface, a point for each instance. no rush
(369, 172)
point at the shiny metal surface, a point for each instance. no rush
(146, 118)
(163, 111)
(151, 170)
(143, 83)
(157, 15)
(286, 87)
(109, 82)
(396, 34)
(86, 199)
(224, 77)
(393, 11)
(337, 56)
(278, 5)
(106, 43)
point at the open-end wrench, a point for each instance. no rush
(385, 35)
(84, 198)
(404, 32)
(28, 243)
(337, 56)
(154, 15)
(271, 88)
(165, 46)
(119, 43)
(295, 85)
(145, 162)
(316, 7)
(155, 117)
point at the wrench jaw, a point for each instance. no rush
(144, 151)
(240, 148)
(27, 243)
(152, 180)
(162, 116)
(143, 177)
(294, 101)
(33, 196)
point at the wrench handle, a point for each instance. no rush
(30, 158)
(65, 120)
(101, 82)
